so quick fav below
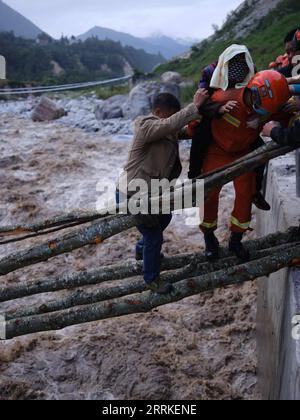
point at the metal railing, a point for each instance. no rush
(61, 88)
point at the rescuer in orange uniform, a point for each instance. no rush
(233, 135)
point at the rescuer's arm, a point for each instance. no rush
(295, 89)
(293, 80)
(283, 136)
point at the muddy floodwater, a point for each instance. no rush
(201, 348)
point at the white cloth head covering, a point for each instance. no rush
(220, 76)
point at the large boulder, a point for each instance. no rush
(47, 110)
(111, 108)
(171, 77)
(141, 98)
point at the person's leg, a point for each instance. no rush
(153, 239)
(245, 188)
(139, 250)
(259, 200)
(210, 224)
(211, 207)
(165, 220)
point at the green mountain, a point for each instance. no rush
(11, 20)
(259, 24)
(72, 61)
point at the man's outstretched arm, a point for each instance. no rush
(152, 130)
(283, 136)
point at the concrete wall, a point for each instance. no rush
(279, 295)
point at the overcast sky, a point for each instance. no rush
(178, 18)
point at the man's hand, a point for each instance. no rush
(291, 107)
(293, 80)
(269, 127)
(200, 97)
(230, 106)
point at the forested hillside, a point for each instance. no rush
(47, 60)
(263, 36)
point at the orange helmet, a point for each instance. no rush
(270, 91)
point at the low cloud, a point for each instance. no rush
(178, 18)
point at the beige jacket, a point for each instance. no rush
(155, 152)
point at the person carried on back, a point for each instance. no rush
(233, 137)
(234, 69)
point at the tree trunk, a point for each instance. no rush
(88, 296)
(131, 269)
(102, 230)
(147, 301)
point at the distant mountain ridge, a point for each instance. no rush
(11, 20)
(156, 44)
(259, 24)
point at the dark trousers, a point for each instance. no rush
(150, 247)
(260, 172)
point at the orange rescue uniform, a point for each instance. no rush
(232, 139)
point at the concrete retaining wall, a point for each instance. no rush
(279, 295)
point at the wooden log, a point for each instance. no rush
(147, 301)
(102, 230)
(77, 217)
(87, 296)
(132, 269)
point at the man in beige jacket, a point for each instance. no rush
(155, 156)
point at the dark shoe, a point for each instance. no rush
(236, 246)
(140, 257)
(160, 287)
(212, 246)
(260, 202)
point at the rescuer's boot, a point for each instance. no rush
(212, 246)
(236, 246)
(260, 202)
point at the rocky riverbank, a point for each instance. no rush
(113, 116)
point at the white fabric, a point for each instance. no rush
(220, 76)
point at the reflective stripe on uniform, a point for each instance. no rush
(232, 120)
(209, 225)
(244, 226)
